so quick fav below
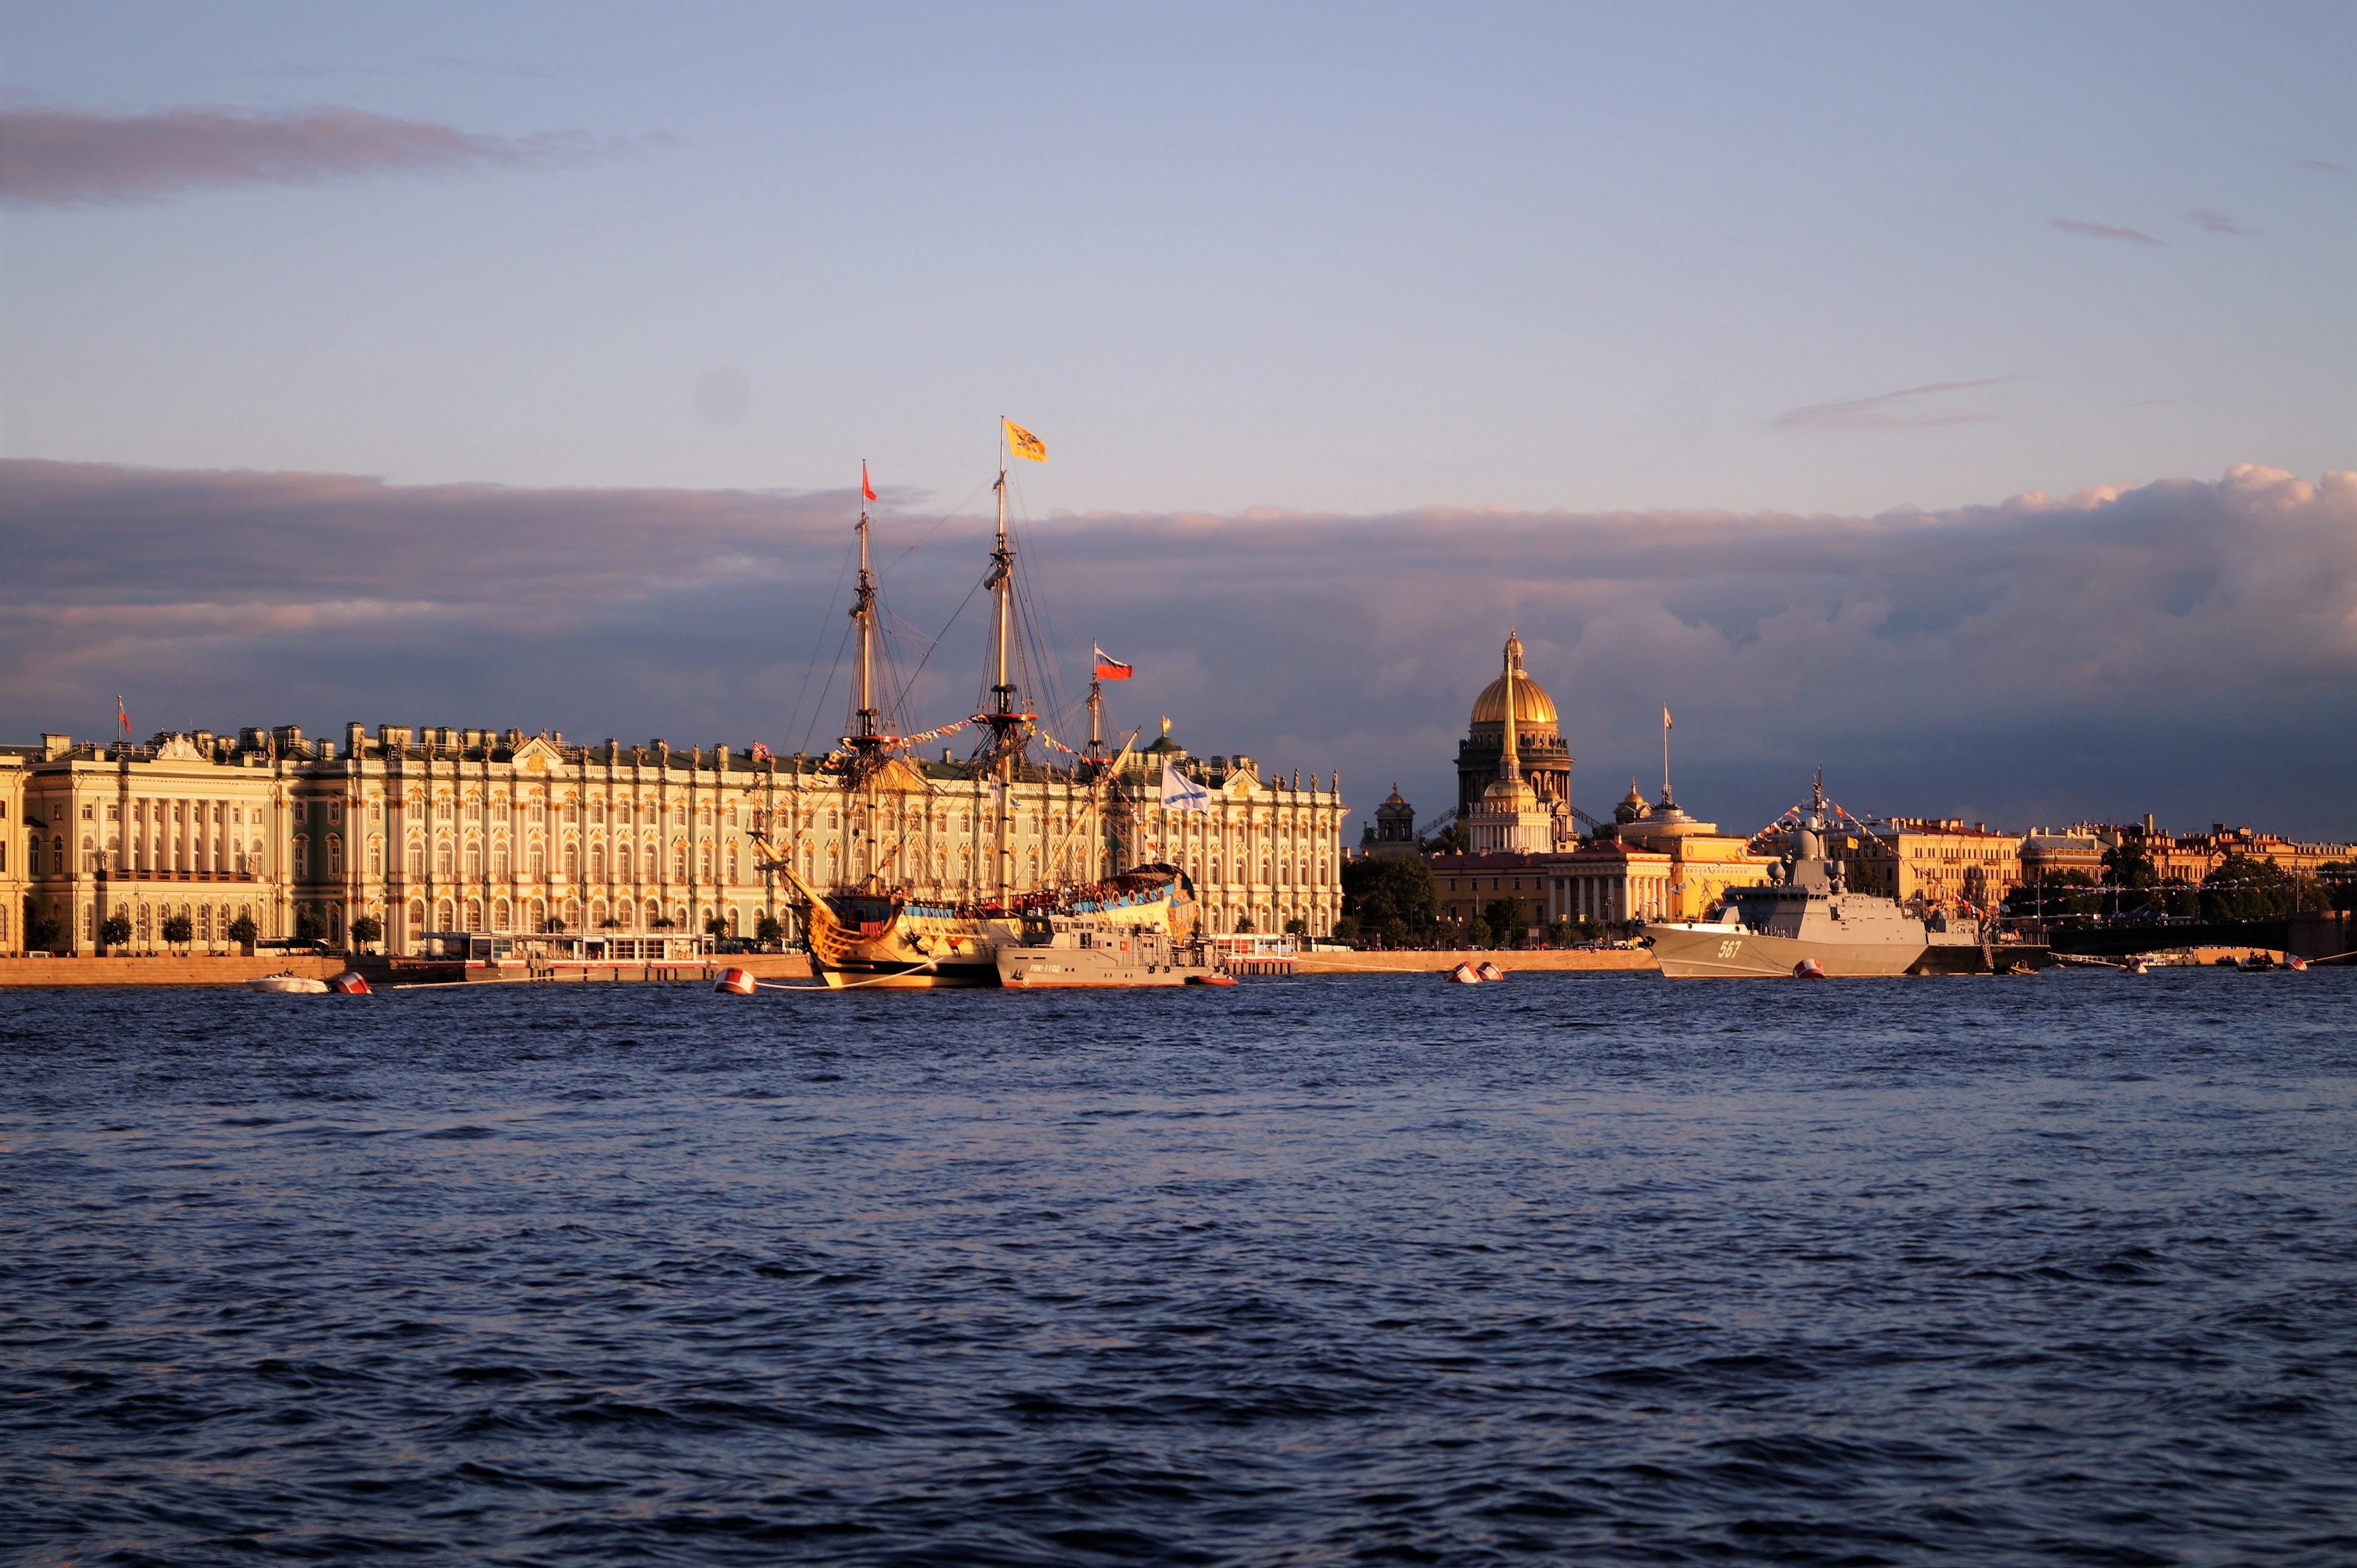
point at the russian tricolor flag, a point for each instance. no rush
(1109, 668)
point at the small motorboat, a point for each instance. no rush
(1214, 978)
(1463, 974)
(288, 985)
(2257, 963)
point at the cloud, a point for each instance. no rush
(2104, 232)
(2216, 224)
(1890, 411)
(2183, 647)
(2320, 167)
(66, 157)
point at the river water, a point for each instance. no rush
(1571, 1268)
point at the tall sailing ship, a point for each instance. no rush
(873, 929)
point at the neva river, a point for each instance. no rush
(1595, 1269)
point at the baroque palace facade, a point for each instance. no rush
(449, 830)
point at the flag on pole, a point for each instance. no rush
(1022, 442)
(1181, 794)
(1665, 718)
(1111, 669)
(866, 489)
(122, 716)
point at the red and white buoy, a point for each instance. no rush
(349, 983)
(1464, 975)
(1489, 970)
(1808, 969)
(736, 982)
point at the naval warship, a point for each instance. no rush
(1804, 919)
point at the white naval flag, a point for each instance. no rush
(1182, 794)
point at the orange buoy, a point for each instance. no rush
(1464, 975)
(736, 982)
(349, 983)
(1808, 969)
(1489, 970)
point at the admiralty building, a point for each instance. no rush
(465, 830)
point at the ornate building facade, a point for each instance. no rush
(1267, 851)
(450, 830)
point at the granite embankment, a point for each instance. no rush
(1409, 961)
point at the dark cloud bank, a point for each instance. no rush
(2185, 647)
(68, 157)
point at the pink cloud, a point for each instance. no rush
(1899, 410)
(2104, 232)
(64, 158)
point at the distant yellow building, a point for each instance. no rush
(1703, 862)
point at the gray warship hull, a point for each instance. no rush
(1699, 952)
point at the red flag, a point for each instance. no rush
(866, 488)
(121, 717)
(1109, 668)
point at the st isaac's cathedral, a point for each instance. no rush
(1513, 771)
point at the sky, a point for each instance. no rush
(403, 363)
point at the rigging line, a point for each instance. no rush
(939, 523)
(820, 708)
(796, 711)
(927, 659)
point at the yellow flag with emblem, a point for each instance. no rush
(1022, 442)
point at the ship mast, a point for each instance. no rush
(1008, 725)
(869, 744)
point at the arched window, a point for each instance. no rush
(474, 921)
(679, 860)
(965, 822)
(441, 856)
(474, 861)
(572, 861)
(500, 861)
(376, 857)
(416, 921)
(89, 853)
(597, 863)
(538, 861)
(654, 912)
(147, 928)
(623, 860)
(335, 857)
(539, 915)
(732, 862)
(732, 922)
(57, 855)
(442, 921)
(703, 861)
(832, 821)
(416, 858)
(501, 916)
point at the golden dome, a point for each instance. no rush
(1533, 707)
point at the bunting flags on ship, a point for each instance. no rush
(1022, 442)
